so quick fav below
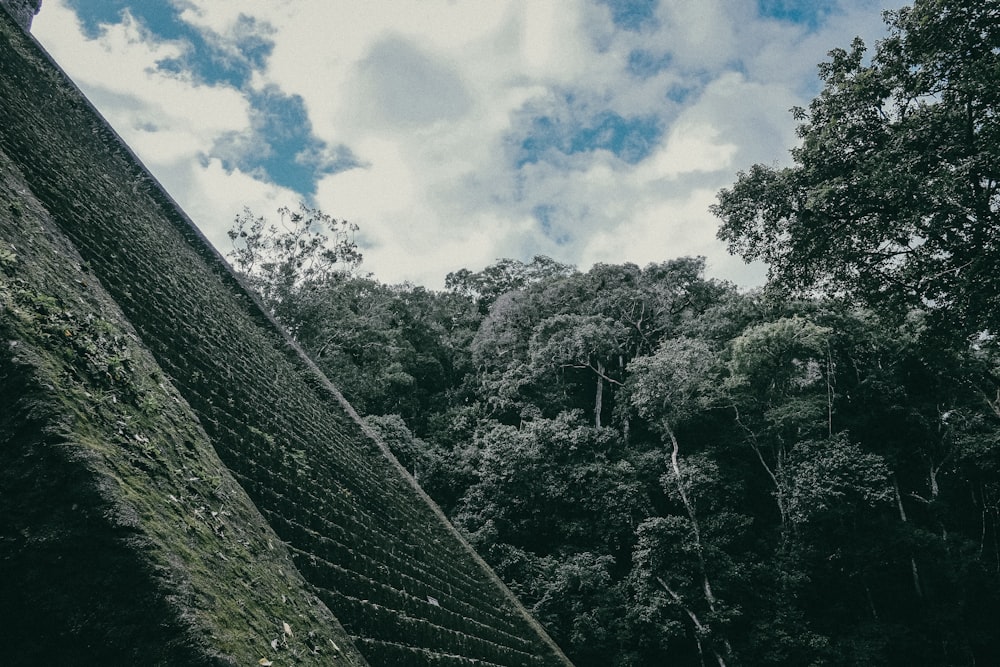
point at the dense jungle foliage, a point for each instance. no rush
(668, 470)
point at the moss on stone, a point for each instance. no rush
(125, 540)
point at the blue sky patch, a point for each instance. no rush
(545, 214)
(644, 64)
(283, 149)
(804, 12)
(630, 139)
(251, 41)
(159, 17)
(680, 94)
(205, 61)
(632, 15)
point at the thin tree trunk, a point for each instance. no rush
(829, 389)
(779, 496)
(915, 572)
(871, 602)
(982, 532)
(699, 629)
(599, 397)
(696, 530)
(692, 517)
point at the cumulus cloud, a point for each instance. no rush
(455, 134)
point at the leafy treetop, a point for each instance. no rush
(893, 197)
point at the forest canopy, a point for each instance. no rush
(668, 470)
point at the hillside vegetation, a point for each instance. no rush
(668, 470)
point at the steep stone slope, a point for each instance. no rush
(123, 538)
(370, 544)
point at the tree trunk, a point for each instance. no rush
(779, 493)
(696, 530)
(914, 572)
(599, 397)
(692, 517)
(829, 389)
(699, 629)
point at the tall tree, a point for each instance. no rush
(893, 196)
(304, 246)
(668, 387)
(580, 342)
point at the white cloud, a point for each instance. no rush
(692, 146)
(428, 93)
(701, 35)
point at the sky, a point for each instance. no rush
(457, 132)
